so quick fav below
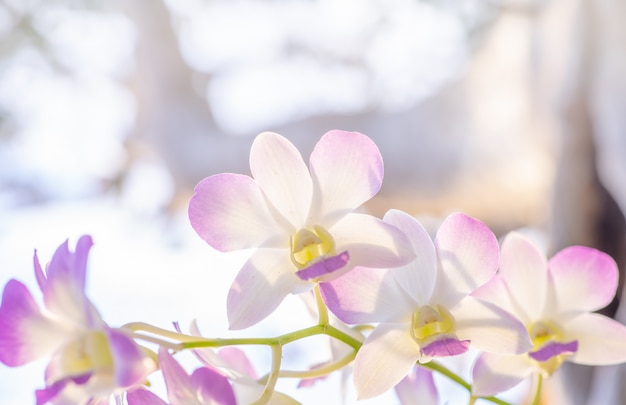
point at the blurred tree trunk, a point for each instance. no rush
(589, 193)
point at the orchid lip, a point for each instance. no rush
(324, 266)
(553, 349)
(444, 347)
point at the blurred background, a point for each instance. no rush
(511, 111)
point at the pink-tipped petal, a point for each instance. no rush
(372, 242)
(418, 277)
(468, 254)
(585, 279)
(25, 333)
(325, 269)
(261, 285)
(64, 292)
(490, 328)
(142, 396)
(385, 358)
(552, 349)
(417, 388)
(347, 169)
(230, 212)
(494, 373)
(601, 340)
(178, 383)
(278, 168)
(212, 387)
(524, 269)
(131, 366)
(366, 295)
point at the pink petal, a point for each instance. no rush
(418, 277)
(367, 295)
(212, 387)
(489, 327)
(25, 333)
(131, 366)
(585, 279)
(385, 358)
(524, 269)
(493, 373)
(261, 285)
(417, 388)
(371, 242)
(143, 397)
(237, 360)
(279, 170)
(468, 253)
(601, 340)
(229, 211)
(347, 169)
(179, 387)
(64, 292)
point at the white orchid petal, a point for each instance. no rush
(385, 358)
(468, 254)
(278, 168)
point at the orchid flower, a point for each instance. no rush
(89, 360)
(554, 299)
(299, 219)
(424, 308)
(205, 386)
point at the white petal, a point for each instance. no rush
(493, 373)
(490, 328)
(601, 340)
(468, 254)
(367, 295)
(348, 170)
(371, 242)
(278, 168)
(525, 271)
(261, 285)
(418, 277)
(230, 212)
(385, 358)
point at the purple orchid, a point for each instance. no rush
(299, 219)
(424, 309)
(554, 299)
(88, 360)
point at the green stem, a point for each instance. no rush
(432, 365)
(321, 371)
(322, 311)
(268, 391)
(537, 397)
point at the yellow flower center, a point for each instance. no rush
(542, 333)
(89, 352)
(308, 245)
(429, 321)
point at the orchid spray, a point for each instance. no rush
(392, 303)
